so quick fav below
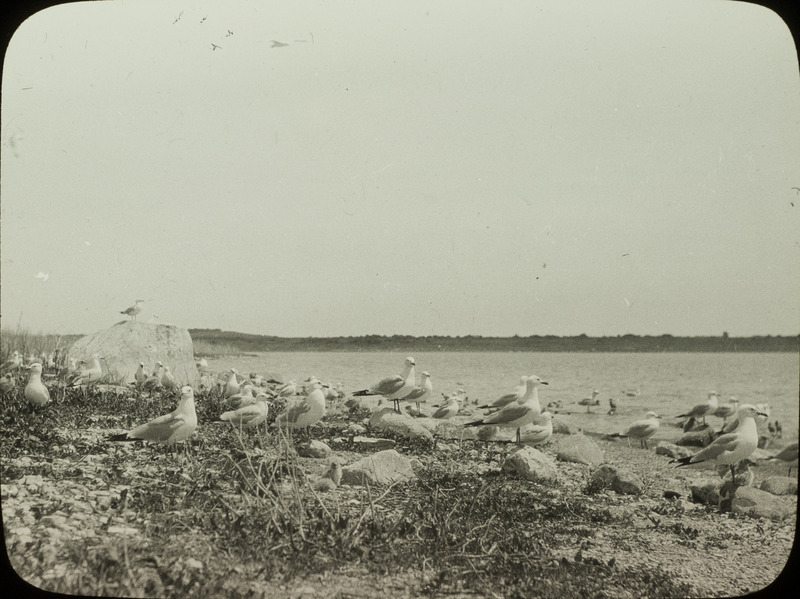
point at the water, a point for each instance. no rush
(669, 383)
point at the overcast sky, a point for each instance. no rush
(341, 168)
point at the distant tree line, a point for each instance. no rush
(535, 343)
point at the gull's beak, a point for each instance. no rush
(762, 414)
(544, 383)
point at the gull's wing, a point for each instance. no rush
(723, 444)
(389, 385)
(244, 414)
(641, 428)
(508, 414)
(294, 412)
(160, 429)
(416, 393)
(443, 411)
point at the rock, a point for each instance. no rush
(562, 427)
(760, 504)
(531, 464)
(126, 344)
(780, 485)
(706, 490)
(382, 468)
(388, 420)
(699, 438)
(450, 430)
(579, 449)
(193, 563)
(673, 451)
(122, 530)
(314, 449)
(617, 479)
(373, 443)
(672, 494)
(356, 429)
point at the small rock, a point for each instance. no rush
(780, 485)
(356, 429)
(757, 503)
(699, 438)
(562, 427)
(193, 563)
(579, 449)
(9, 490)
(382, 468)
(314, 449)
(706, 490)
(53, 520)
(673, 451)
(122, 530)
(531, 464)
(374, 443)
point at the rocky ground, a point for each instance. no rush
(237, 514)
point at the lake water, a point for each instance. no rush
(668, 383)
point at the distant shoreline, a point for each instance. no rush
(215, 341)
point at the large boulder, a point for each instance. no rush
(531, 464)
(760, 504)
(126, 344)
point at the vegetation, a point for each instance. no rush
(217, 342)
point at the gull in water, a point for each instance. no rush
(305, 412)
(703, 409)
(421, 393)
(590, 401)
(134, 309)
(540, 432)
(35, 391)
(89, 375)
(250, 415)
(517, 415)
(169, 429)
(508, 398)
(394, 387)
(449, 408)
(787, 454)
(732, 447)
(642, 429)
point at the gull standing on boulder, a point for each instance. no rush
(35, 391)
(517, 415)
(134, 309)
(733, 447)
(169, 429)
(394, 387)
(642, 429)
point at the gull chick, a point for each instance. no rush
(169, 429)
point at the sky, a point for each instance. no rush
(338, 168)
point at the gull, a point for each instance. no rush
(642, 429)
(517, 415)
(13, 363)
(732, 447)
(134, 309)
(232, 386)
(202, 363)
(244, 398)
(7, 383)
(540, 432)
(421, 393)
(168, 380)
(787, 454)
(287, 390)
(508, 398)
(305, 412)
(35, 391)
(449, 409)
(613, 404)
(393, 387)
(153, 382)
(709, 407)
(169, 429)
(140, 375)
(332, 477)
(250, 415)
(590, 401)
(725, 411)
(89, 375)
